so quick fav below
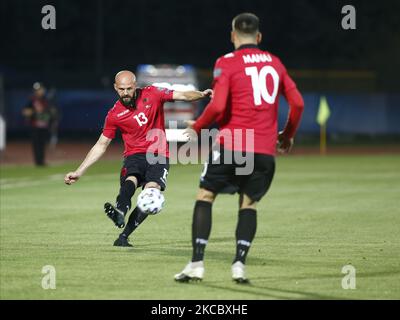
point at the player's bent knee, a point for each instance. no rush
(247, 203)
(206, 195)
(133, 179)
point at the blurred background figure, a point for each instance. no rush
(42, 117)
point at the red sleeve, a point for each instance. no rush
(287, 82)
(217, 105)
(164, 94)
(110, 128)
(296, 105)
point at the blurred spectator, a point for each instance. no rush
(42, 117)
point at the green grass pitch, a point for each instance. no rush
(321, 214)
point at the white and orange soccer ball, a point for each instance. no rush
(150, 201)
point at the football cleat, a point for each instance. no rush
(122, 242)
(194, 271)
(238, 273)
(116, 215)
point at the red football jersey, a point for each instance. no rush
(142, 127)
(247, 85)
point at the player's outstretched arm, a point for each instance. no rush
(93, 155)
(191, 95)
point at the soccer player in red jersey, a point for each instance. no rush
(137, 114)
(247, 85)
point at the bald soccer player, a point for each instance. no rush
(138, 114)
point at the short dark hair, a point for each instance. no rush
(246, 23)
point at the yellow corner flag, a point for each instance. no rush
(322, 117)
(323, 112)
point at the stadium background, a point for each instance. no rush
(357, 70)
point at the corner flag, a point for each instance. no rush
(323, 112)
(322, 117)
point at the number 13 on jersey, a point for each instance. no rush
(259, 84)
(141, 119)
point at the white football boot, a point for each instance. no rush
(193, 271)
(238, 273)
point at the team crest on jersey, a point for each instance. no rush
(163, 89)
(217, 72)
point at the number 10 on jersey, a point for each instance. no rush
(259, 84)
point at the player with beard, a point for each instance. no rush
(137, 114)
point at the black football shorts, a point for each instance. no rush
(137, 165)
(220, 174)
